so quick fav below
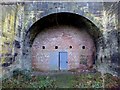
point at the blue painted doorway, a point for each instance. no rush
(54, 61)
(63, 60)
(58, 61)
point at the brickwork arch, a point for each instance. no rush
(57, 19)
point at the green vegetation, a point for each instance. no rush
(23, 79)
(8, 33)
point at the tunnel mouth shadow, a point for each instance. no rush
(63, 18)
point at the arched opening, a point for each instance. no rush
(60, 24)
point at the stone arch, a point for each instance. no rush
(56, 19)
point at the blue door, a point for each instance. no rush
(54, 59)
(63, 60)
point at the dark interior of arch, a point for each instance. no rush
(64, 18)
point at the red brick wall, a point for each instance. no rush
(63, 37)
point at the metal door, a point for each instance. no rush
(63, 60)
(54, 65)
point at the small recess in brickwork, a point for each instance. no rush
(56, 47)
(43, 47)
(83, 47)
(70, 47)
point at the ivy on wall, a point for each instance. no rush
(8, 33)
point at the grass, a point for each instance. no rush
(85, 80)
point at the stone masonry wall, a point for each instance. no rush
(18, 17)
